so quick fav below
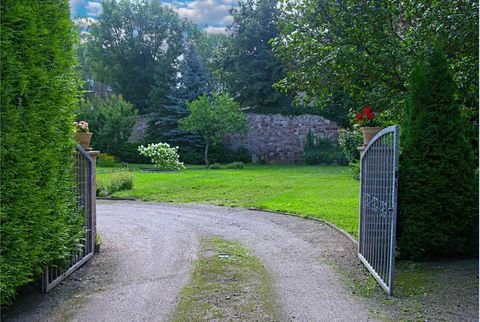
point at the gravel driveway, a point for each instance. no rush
(147, 254)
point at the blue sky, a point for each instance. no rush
(212, 14)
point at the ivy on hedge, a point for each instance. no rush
(38, 97)
(438, 201)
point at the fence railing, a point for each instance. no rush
(378, 206)
(85, 206)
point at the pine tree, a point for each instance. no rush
(192, 82)
(438, 214)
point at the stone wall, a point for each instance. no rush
(280, 139)
(140, 128)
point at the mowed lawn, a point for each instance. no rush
(324, 192)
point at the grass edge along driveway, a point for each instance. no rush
(323, 192)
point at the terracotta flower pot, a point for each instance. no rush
(83, 138)
(369, 133)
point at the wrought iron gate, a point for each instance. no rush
(84, 194)
(378, 206)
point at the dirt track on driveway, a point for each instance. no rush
(148, 250)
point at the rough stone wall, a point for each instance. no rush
(139, 129)
(281, 139)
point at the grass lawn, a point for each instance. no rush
(233, 287)
(325, 192)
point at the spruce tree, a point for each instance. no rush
(246, 65)
(438, 214)
(192, 83)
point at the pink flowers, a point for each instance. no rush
(81, 126)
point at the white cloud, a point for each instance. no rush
(84, 23)
(94, 9)
(207, 12)
(75, 3)
(74, 6)
(216, 30)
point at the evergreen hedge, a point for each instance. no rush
(438, 201)
(38, 96)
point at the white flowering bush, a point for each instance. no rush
(162, 155)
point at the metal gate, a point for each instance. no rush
(84, 195)
(378, 206)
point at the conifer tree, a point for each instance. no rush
(438, 213)
(192, 82)
(246, 65)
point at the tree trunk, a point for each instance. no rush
(206, 155)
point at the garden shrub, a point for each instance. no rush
(438, 204)
(119, 181)
(322, 151)
(215, 166)
(349, 140)
(38, 97)
(219, 153)
(128, 152)
(238, 155)
(162, 155)
(235, 165)
(355, 169)
(106, 160)
(190, 155)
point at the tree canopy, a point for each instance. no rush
(246, 65)
(133, 48)
(110, 120)
(212, 118)
(367, 49)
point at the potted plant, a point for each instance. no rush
(82, 134)
(368, 124)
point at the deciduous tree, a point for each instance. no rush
(368, 48)
(110, 120)
(213, 117)
(133, 48)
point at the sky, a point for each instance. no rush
(213, 15)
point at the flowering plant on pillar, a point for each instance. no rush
(366, 118)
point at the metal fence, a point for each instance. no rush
(378, 206)
(84, 194)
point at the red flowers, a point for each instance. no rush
(368, 111)
(366, 117)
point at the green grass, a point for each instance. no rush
(231, 286)
(324, 192)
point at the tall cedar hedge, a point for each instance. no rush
(38, 93)
(438, 209)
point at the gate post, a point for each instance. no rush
(93, 155)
